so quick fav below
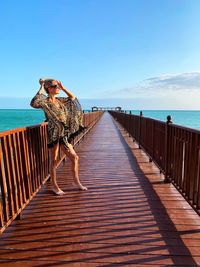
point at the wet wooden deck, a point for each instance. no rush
(128, 217)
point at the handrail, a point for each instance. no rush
(173, 148)
(24, 165)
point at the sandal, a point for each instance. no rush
(58, 192)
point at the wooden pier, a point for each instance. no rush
(128, 216)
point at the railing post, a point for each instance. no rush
(140, 127)
(83, 123)
(167, 141)
(129, 124)
(125, 121)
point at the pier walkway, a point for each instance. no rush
(128, 217)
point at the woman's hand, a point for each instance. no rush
(60, 85)
(41, 90)
(65, 90)
(41, 82)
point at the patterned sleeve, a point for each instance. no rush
(38, 101)
(73, 103)
(75, 113)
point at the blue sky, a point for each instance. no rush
(146, 51)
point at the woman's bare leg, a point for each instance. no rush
(70, 152)
(53, 164)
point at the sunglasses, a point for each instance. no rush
(54, 86)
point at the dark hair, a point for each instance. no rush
(47, 84)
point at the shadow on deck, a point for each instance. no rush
(128, 217)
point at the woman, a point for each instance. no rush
(58, 117)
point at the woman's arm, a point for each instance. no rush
(72, 96)
(39, 98)
(41, 90)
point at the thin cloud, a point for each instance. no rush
(179, 81)
(162, 85)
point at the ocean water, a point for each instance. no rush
(187, 118)
(14, 118)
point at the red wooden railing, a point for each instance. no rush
(24, 165)
(174, 149)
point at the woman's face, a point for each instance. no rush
(54, 89)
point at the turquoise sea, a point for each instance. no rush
(187, 118)
(14, 118)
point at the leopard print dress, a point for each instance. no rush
(64, 120)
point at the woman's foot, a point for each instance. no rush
(58, 191)
(80, 186)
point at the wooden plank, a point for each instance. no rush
(25, 164)
(8, 180)
(12, 154)
(36, 156)
(41, 145)
(2, 187)
(32, 156)
(45, 151)
(1, 214)
(21, 172)
(16, 168)
(4, 193)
